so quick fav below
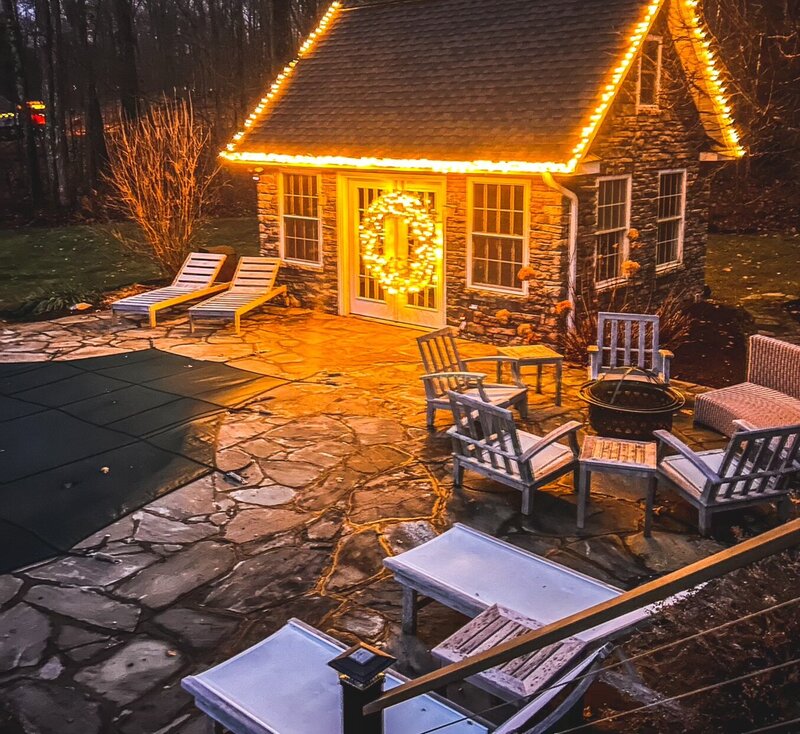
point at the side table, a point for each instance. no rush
(617, 456)
(537, 355)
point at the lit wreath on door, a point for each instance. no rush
(395, 274)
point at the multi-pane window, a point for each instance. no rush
(650, 72)
(613, 206)
(671, 215)
(498, 235)
(301, 224)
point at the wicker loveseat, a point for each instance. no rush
(770, 397)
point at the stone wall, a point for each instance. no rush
(642, 144)
(522, 318)
(308, 285)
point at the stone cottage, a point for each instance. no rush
(560, 149)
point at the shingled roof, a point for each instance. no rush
(451, 80)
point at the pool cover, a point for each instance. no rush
(85, 442)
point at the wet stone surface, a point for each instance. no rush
(339, 472)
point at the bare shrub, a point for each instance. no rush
(161, 172)
(757, 643)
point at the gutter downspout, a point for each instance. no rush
(572, 276)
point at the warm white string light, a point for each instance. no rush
(588, 132)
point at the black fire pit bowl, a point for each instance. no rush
(630, 403)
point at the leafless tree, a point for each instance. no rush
(161, 177)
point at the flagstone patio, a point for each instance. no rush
(340, 471)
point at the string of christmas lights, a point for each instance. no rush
(395, 274)
(702, 46)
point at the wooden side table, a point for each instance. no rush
(617, 456)
(536, 355)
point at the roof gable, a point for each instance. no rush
(450, 85)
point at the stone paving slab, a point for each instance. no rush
(339, 471)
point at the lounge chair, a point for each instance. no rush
(486, 441)
(757, 466)
(194, 280)
(769, 397)
(470, 571)
(253, 284)
(446, 371)
(283, 685)
(628, 340)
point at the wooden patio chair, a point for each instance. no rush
(446, 371)
(628, 340)
(194, 280)
(756, 466)
(486, 441)
(253, 285)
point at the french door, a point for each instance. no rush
(367, 296)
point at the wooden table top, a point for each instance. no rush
(616, 452)
(530, 351)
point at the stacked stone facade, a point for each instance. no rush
(634, 142)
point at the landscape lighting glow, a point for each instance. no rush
(587, 135)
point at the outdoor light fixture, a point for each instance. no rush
(361, 673)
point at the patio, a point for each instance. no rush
(340, 472)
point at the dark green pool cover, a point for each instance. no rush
(84, 442)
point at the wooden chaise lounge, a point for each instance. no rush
(253, 285)
(194, 280)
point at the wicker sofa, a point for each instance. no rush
(770, 397)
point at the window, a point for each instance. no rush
(671, 215)
(301, 222)
(613, 212)
(498, 235)
(650, 72)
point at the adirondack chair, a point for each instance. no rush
(253, 285)
(628, 340)
(486, 441)
(447, 371)
(757, 466)
(194, 280)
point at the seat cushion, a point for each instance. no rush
(759, 405)
(553, 457)
(501, 395)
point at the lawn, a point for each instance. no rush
(40, 262)
(741, 268)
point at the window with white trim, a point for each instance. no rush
(301, 221)
(613, 217)
(671, 217)
(650, 72)
(498, 246)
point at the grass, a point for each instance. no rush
(745, 267)
(43, 262)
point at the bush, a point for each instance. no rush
(764, 641)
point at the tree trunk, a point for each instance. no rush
(125, 41)
(35, 189)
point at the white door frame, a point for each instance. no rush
(347, 247)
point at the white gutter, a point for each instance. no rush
(572, 276)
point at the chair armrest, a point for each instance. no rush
(743, 425)
(593, 349)
(568, 429)
(667, 439)
(476, 376)
(666, 353)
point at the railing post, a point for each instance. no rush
(361, 674)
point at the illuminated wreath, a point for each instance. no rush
(394, 274)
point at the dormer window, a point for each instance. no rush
(650, 72)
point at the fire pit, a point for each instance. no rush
(630, 403)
